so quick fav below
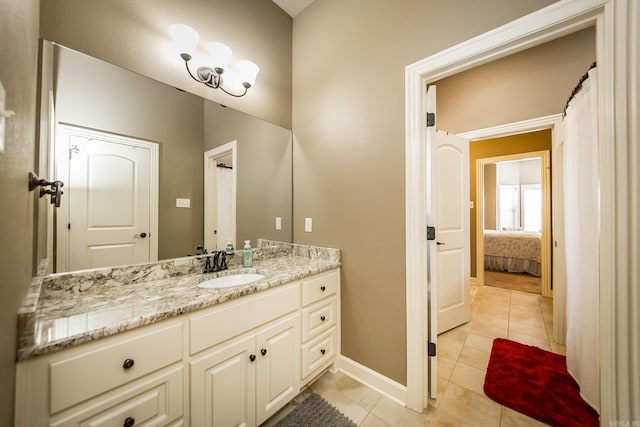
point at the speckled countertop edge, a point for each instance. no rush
(117, 305)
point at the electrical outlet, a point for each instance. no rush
(308, 225)
(278, 223)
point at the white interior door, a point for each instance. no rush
(448, 213)
(220, 206)
(111, 217)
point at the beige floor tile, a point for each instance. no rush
(524, 299)
(534, 331)
(526, 311)
(358, 392)
(342, 403)
(474, 357)
(529, 340)
(471, 406)
(449, 349)
(397, 415)
(469, 377)
(373, 421)
(511, 418)
(488, 331)
(480, 342)
(445, 367)
(456, 334)
(527, 319)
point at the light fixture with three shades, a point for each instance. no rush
(237, 79)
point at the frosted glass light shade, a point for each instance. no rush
(248, 71)
(219, 55)
(185, 38)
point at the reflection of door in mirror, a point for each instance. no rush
(220, 196)
(109, 214)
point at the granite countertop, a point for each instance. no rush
(67, 309)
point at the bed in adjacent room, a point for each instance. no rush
(512, 251)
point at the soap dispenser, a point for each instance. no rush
(247, 254)
(229, 249)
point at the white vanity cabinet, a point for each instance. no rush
(122, 380)
(246, 378)
(236, 363)
(320, 319)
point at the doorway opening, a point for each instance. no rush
(532, 30)
(220, 177)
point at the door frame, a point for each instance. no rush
(552, 122)
(62, 215)
(545, 241)
(614, 30)
(210, 170)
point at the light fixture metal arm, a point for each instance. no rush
(211, 77)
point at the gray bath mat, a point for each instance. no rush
(314, 411)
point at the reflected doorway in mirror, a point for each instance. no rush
(220, 178)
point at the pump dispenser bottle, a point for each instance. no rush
(247, 254)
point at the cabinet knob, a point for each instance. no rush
(129, 422)
(323, 288)
(323, 351)
(323, 318)
(263, 351)
(252, 357)
(128, 364)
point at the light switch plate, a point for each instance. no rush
(183, 203)
(278, 223)
(308, 225)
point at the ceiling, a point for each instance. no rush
(293, 7)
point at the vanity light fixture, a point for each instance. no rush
(242, 75)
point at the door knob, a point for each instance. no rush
(440, 243)
(141, 235)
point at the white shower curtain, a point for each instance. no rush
(224, 201)
(581, 236)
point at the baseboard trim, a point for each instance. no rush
(385, 386)
(473, 281)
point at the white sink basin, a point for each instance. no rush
(229, 281)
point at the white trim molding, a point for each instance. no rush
(618, 59)
(374, 380)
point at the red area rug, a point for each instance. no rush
(536, 383)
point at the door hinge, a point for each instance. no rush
(431, 349)
(431, 233)
(69, 226)
(431, 119)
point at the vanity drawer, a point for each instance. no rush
(237, 317)
(103, 367)
(319, 287)
(319, 317)
(319, 352)
(152, 401)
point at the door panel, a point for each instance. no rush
(109, 196)
(451, 155)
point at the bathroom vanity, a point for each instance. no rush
(156, 349)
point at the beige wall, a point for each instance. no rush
(489, 197)
(135, 36)
(534, 83)
(348, 123)
(128, 104)
(18, 73)
(264, 172)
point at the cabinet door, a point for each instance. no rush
(278, 369)
(222, 385)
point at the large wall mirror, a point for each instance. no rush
(140, 159)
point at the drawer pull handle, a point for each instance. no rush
(323, 288)
(252, 357)
(323, 318)
(129, 422)
(323, 351)
(128, 364)
(263, 351)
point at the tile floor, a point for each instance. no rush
(463, 354)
